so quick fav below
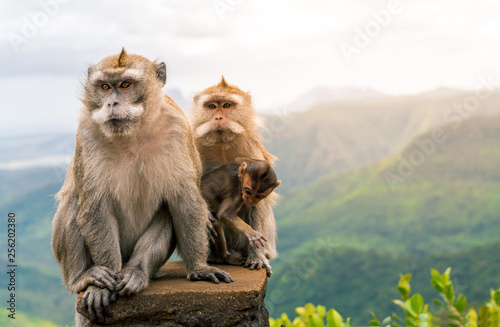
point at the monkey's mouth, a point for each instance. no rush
(221, 130)
(118, 124)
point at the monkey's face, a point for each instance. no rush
(254, 191)
(117, 90)
(221, 112)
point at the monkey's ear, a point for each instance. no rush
(89, 71)
(161, 72)
(240, 160)
(242, 170)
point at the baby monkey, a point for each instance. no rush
(226, 189)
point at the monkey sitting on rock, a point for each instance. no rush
(131, 195)
(226, 189)
(225, 125)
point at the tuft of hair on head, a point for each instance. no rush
(121, 58)
(223, 84)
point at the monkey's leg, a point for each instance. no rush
(79, 272)
(220, 243)
(262, 220)
(151, 251)
(189, 214)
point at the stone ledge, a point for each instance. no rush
(172, 300)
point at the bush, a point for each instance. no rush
(450, 309)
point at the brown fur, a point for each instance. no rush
(131, 195)
(217, 149)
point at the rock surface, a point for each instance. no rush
(172, 300)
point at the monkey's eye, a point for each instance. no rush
(247, 192)
(226, 105)
(125, 85)
(105, 87)
(211, 106)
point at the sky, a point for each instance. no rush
(278, 50)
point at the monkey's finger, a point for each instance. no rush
(262, 242)
(123, 282)
(268, 270)
(193, 276)
(98, 306)
(85, 301)
(224, 276)
(91, 308)
(213, 278)
(114, 296)
(105, 305)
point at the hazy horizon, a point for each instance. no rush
(279, 50)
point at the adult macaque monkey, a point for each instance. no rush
(225, 127)
(226, 189)
(131, 194)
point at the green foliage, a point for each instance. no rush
(311, 316)
(416, 311)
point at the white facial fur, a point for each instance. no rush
(106, 112)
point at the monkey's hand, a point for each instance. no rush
(99, 276)
(96, 301)
(132, 281)
(258, 261)
(256, 239)
(210, 273)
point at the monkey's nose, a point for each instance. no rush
(112, 103)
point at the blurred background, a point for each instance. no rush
(385, 117)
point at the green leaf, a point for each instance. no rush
(409, 310)
(417, 303)
(449, 293)
(411, 321)
(386, 321)
(438, 303)
(333, 318)
(315, 321)
(301, 311)
(310, 309)
(496, 297)
(321, 310)
(460, 303)
(375, 321)
(404, 286)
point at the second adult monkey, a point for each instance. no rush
(226, 189)
(225, 126)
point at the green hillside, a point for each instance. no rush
(25, 320)
(355, 281)
(450, 201)
(340, 136)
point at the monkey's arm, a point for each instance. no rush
(228, 215)
(189, 214)
(151, 251)
(79, 272)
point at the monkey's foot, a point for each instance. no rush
(210, 273)
(99, 276)
(258, 261)
(97, 302)
(132, 281)
(234, 258)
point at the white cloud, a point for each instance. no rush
(277, 49)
